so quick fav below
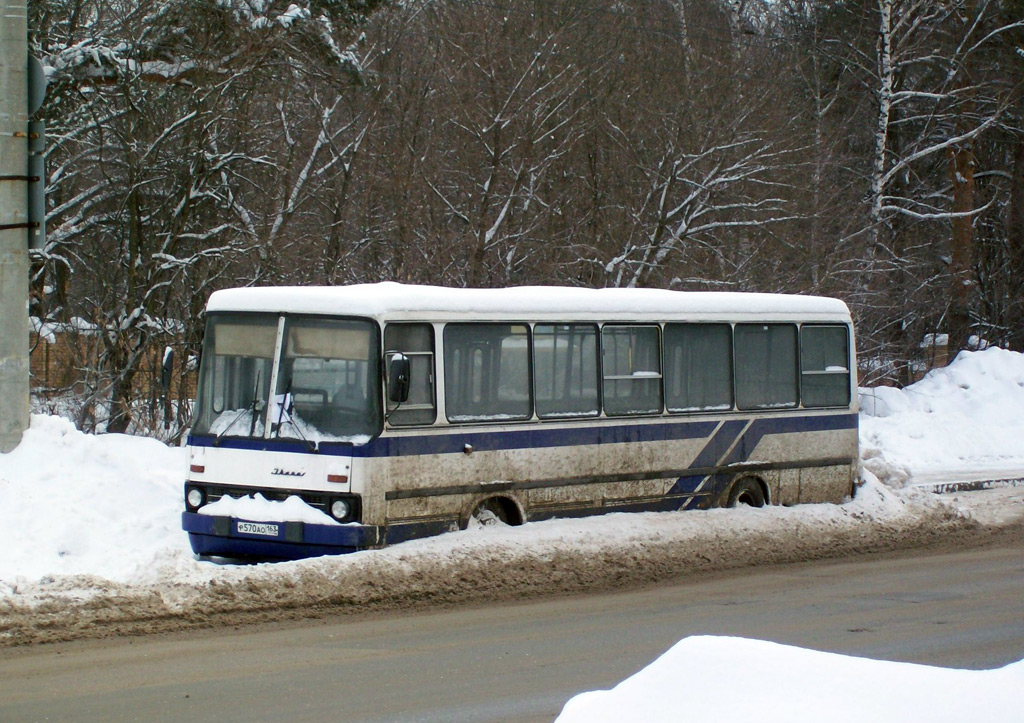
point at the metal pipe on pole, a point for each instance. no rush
(14, 223)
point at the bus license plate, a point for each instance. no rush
(264, 529)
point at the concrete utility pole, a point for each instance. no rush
(14, 268)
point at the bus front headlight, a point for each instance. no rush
(340, 509)
(194, 498)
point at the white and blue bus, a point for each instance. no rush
(386, 412)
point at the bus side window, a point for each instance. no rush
(698, 367)
(766, 366)
(565, 370)
(825, 366)
(632, 370)
(487, 372)
(415, 341)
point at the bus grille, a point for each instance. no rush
(313, 499)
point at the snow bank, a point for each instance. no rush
(725, 679)
(77, 504)
(97, 518)
(960, 423)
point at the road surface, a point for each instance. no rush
(521, 662)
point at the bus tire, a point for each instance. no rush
(495, 511)
(490, 512)
(746, 491)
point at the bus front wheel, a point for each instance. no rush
(746, 491)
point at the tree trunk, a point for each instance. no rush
(120, 401)
(1015, 245)
(961, 167)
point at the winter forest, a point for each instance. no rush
(871, 150)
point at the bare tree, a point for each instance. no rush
(151, 158)
(931, 109)
(693, 198)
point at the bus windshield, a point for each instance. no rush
(327, 385)
(326, 390)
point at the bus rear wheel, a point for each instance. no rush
(494, 511)
(746, 492)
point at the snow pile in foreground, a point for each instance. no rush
(960, 423)
(733, 679)
(79, 504)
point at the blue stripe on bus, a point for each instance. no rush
(709, 456)
(736, 440)
(759, 428)
(453, 440)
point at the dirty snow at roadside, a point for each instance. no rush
(107, 508)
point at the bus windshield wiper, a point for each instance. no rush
(283, 408)
(285, 411)
(254, 406)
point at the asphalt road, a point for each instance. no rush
(521, 662)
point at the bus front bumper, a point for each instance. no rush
(250, 539)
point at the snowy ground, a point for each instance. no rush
(794, 685)
(92, 545)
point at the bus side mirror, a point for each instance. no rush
(398, 378)
(166, 367)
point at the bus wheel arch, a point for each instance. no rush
(751, 491)
(494, 509)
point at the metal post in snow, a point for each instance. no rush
(14, 223)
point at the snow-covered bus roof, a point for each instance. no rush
(389, 300)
